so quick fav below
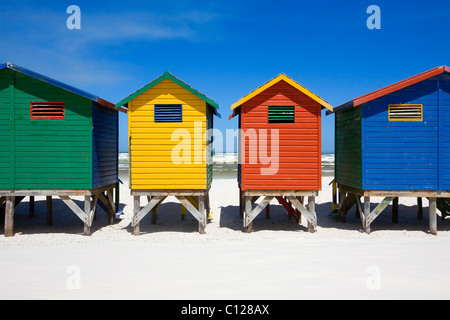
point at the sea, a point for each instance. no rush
(225, 164)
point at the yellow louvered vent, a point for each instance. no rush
(405, 112)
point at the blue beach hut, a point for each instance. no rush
(394, 143)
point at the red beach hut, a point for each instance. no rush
(280, 148)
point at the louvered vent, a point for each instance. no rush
(406, 112)
(168, 113)
(281, 114)
(47, 110)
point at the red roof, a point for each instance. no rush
(394, 87)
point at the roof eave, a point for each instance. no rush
(168, 76)
(282, 77)
(59, 84)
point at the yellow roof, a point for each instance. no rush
(283, 77)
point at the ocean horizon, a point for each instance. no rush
(225, 164)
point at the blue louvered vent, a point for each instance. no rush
(168, 113)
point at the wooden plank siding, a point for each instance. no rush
(7, 129)
(151, 143)
(348, 160)
(401, 155)
(444, 132)
(54, 153)
(299, 142)
(105, 159)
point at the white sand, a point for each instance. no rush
(279, 260)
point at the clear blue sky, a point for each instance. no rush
(226, 49)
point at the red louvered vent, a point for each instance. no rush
(47, 110)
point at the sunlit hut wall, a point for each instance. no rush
(161, 158)
(284, 106)
(393, 142)
(56, 139)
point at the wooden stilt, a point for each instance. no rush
(419, 209)
(208, 208)
(31, 207)
(9, 216)
(136, 209)
(312, 210)
(297, 212)
(395, 210)
(202, 210)
(357, 211)
(87, 212)
(112, 207)
(433, 216)
(247, 210)
(366, 213)
(49, 211)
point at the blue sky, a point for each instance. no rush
(226, 49)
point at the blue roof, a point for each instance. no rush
(102, 102)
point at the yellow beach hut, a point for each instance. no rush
(170, 147)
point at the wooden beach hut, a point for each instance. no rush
(281, 119)
(394, 143)
(170, 146)
(56, 141)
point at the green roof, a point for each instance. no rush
(168, 76)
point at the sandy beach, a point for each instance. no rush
(170, 260)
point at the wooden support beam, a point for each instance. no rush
(199, 214)
(250, 216)
(49, 211)
(247, 209)
(433, 216)
(136, 209)
(208, 207)
(202, 211)
(255, 198)
(9, 216)
(140, 214)
(376, 212)
(268, 211)
(167, 193)
(87, 212)
(309, 213)
(86, 215)
(283, 193)
(104, 200)
(359, 210)
(395, 210)
(312, 210)
(75, 208)
(111, 207)
(366, 214)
